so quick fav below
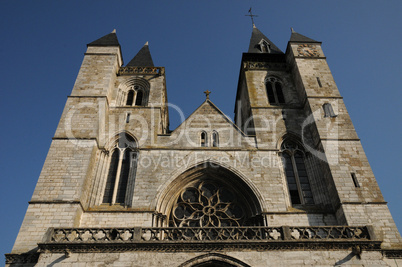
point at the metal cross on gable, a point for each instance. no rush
(251, 16)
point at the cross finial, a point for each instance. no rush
(207, 94)
(251, 16)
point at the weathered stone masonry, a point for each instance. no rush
(287, 184)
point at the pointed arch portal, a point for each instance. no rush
(210, 195)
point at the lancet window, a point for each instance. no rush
(274, 88)
(204, 139)
(293, 159)
(136, 96)
(130, 98)
(122, 170)
(215, 139)
(328, 110)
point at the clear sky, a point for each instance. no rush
(200, 44)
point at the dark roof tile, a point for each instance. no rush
(297, 37)
(107, 40)
(143, 58)
(256, 38)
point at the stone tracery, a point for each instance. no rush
(209, 195)
(207, 204)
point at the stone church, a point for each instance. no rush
(287, 183)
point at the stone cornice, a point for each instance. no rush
(185, 246)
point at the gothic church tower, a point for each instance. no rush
(287, 183)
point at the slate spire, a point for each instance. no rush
(107, 40)
(297, 37)
(143, 58)
(259, 43)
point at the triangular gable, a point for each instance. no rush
(199, 110)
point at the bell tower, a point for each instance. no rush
(108, 101)
(291, 104)
(354, 191)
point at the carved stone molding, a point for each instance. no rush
(207, 238)
(24, 258)
(393, 253)
(249, 65)
(142, 70)
(205, 246)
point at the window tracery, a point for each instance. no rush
(207, 204)
(136, 96)
(274, 88)
(122, 170)
(296, 174)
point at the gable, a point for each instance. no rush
(209, 119)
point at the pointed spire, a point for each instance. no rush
(257, 42)
(107, 40)
(297, 37)
(143, 58)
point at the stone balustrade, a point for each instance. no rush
(142, 70)
(211, 234)
(206, 238)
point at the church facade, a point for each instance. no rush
(286, 183)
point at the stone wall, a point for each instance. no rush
(236, 258)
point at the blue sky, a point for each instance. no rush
(200, 44)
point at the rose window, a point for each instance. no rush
(207, 204)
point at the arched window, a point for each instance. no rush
(328, 110)
(203, 139)
(130, 98)
(296, 174)
(207, 204)
(139, 97)
(274, 91)
(264, 46)
(122, 169)
(215, 139)
(212, 196)
(111, 177)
